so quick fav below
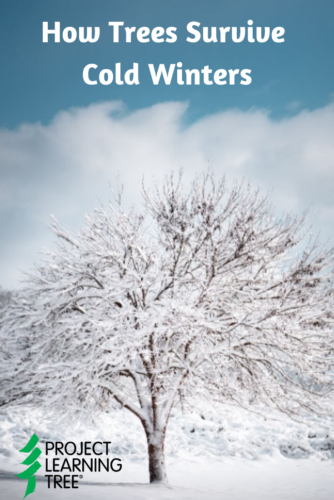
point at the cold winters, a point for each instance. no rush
(172, 74)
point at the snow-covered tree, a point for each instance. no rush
(202, 292)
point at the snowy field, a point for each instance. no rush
(235, 456)
(267, 479)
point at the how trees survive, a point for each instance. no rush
(202, 292)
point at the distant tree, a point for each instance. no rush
(5, 297)
(203, 293)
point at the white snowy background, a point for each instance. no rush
(65, 168)
(216, 452)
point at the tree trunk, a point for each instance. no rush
(156, 456)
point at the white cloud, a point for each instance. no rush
(65, 167)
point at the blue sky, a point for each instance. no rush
(37, 79)
(63, 142)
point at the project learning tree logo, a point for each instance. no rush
(31, 460)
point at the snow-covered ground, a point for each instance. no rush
(232, 455)
(267, 479)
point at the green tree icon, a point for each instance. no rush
(34, 465)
